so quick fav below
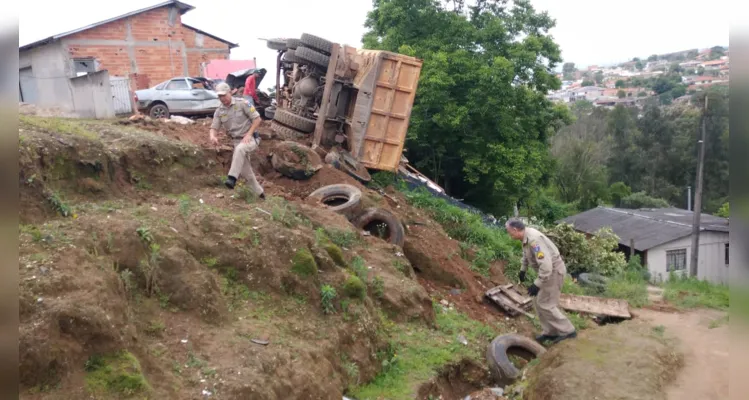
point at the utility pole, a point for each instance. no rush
(698, 199)
(689, 198)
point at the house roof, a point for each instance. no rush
(647, 227)
(714, 62)
(182, 7)
(231, 45)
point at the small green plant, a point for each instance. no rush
(255, 238)
(327, 296)
(155, 328)
(208, 372)
(59, 205)
(193, 361)
(184, 205)
(336, 254)
(359, 267)
(145, 234)
(352, 373)
(163, 299)
(304, 263)
(285, 213)
(116, 374)
(36, 234)
(400, 266)
(354, 287)
(378, 287)
(244, 193)
(209, 262)
(659, 330)
(578, 321)
(127, 280)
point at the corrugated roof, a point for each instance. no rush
(647, 227)
(182, 7)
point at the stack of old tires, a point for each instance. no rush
(346, 200)
(309, 50)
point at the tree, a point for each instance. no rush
(642, 94)
(621, 94)
(587, 83)
(700, 70)
(717, 52)
(678, 91)
(620, 84)
(480, 123)
(654, 57)
(666, 98)
(598, 77)
(642, 200)
(663, 85)
(636, 59)
(724, 210)
(675, 68)
(618, 191)
(692, 54)
(639, 65)
(568, 71)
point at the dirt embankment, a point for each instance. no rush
(131, 246)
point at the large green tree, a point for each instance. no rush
(480, 123)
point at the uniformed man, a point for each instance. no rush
(240, 120)
(544, 257)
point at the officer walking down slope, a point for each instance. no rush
(543, 255)
(240, 120)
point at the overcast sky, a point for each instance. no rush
(588, 31)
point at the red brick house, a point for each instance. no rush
(148, 46)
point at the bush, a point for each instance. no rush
(354, 287)
(724, 211)
(618, 191)
(588, 255)
(304, 263)
(642, 200)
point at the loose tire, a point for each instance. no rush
(286, 133)
(308, 55)
(372, 219)
(290, 56)
(292, 43)
(594, 281)
(349, 197)
(283, 160)
(276, 44)
(159, 111)
(317, 43)
(348, 164)
(502, 369)
(292, 120)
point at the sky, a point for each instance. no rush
(587, 31)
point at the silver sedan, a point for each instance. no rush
(184, 95)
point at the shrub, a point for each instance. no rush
(336, 254)
(354, 287)
(642, 200)
(327, 295)
(618, 191)
(588, 255)
(304, 263)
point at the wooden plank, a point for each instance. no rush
(323, 111)
(515, 296)
(595, 305)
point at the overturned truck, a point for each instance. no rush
(352, 101)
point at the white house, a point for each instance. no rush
(663, 239)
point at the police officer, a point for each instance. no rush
(544, 257)
(240, 120)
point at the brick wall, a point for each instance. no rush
(154, 61)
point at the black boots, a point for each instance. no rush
(230, 182)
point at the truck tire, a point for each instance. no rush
(292, 43)
(286, 133)
(311, 56)
(372, 218)
(287, 161)
(292, 120)
(290, 56)
(593, 281)
(502, 369)
(317, 43)
(276, 44)
(341, 198)
(348, 164)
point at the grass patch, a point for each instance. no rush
(690, 292)
(115, 374)
(304, 263)
(59, 125)
(717, 323)
(359, 266)
(155, 328)
(378, 287)
(285, 213)
(327, 296)
(233, 290)
(418, 352)
(579, 321)
(628, 285)
(244, 193)
(354, 287)
(491, 243)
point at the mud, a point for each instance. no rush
(457, 381)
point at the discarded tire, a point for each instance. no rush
(343, 199)
(348, 164)
(381, 223)
(498, 351)
(594, 281)
(290, 56)
(292, 43)
(270, 112)
(276, 44)
(286, 133)
(292, 120)
(308, 55)
(295, 161)
(317, 43)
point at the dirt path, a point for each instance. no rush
(705, 343)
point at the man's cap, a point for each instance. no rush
(222, 89)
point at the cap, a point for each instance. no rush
(222, 89)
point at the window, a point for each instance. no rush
(161, 85)
(676, 260)
(726, 254)
(177, 84)
(83, 66)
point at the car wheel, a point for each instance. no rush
(158, 111)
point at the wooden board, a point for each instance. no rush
(508, 298)
(595, 305)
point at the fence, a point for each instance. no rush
(121, 95)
